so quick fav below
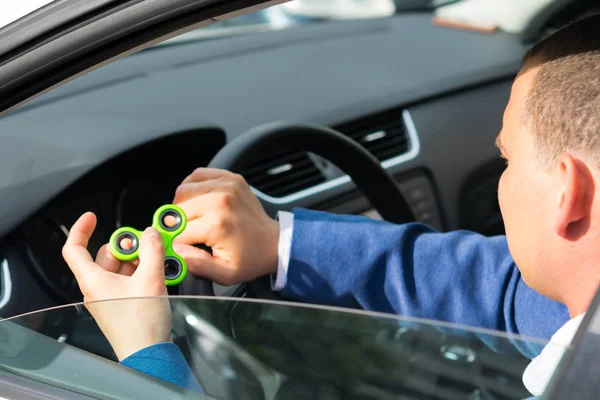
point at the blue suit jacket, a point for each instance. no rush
(411, 270)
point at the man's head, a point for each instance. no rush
(551, 139)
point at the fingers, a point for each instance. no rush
(189, 190)
(203, 174)
(201, 263)
(220, 195)
(198, 231)
(82, 230)
(75, 252)
(107, 261)
(221, 202)
(127, 269)
(151, 255)
(202, 182)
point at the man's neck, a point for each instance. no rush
(579, 302)
(575, 312)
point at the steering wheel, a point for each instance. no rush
(362, 167)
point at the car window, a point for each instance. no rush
(251, 349)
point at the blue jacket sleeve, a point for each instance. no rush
(412, 270)
(164, 361)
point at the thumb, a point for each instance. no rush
(201, 263)
(152, 256)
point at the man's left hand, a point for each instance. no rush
(129, 325)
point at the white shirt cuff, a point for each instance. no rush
(286, 228)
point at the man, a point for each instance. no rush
(536, 281)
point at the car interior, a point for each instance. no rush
(426, 101)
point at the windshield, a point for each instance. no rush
(289, 13)
(292, 13)
(244, 349)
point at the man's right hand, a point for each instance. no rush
(225, 215)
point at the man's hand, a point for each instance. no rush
(129, 325)
(224, 214)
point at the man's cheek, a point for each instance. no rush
(507, 199)
(502, 193)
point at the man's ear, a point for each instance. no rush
(574, 196)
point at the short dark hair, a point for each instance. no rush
(563, 104)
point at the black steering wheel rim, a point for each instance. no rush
(378, 186)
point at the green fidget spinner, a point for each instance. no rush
(175, 266)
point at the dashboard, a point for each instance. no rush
(119, 140)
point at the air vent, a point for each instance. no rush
(384, 135)
(283, 174)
